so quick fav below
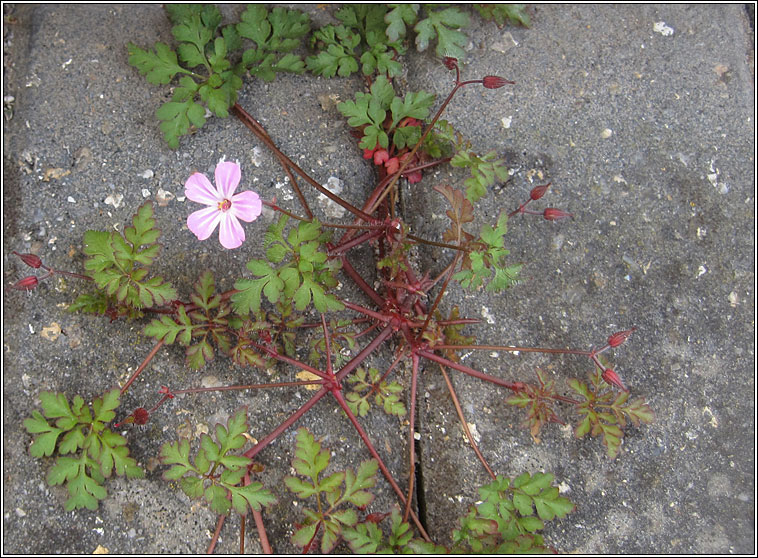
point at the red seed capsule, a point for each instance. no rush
(495, 82)
(450, 62)
(552, 214)
(31, 260)
(610, 377)
(26, 284)
(141, 416)
(539, 191)
(619, 337)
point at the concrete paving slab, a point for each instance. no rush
(643, 119)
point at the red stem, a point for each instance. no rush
(412, 436)
(253, 124)
(465, 369)
(464, 424)
(262, 532)
(514, 349)
(142, 366)
(216, 533)
(348, 268)
(362, 433)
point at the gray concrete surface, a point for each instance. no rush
(642, 117)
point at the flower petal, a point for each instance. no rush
(246, 205)
(199, 189)
(230, 233)
(203, 222)
(227, 178)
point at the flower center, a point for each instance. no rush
(224, 205)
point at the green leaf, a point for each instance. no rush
(168, 329)
(192, 487)
(216, 496)
(252, 495)
(364, 538)
(549, 505)
(309, 460)
(357, 483)
(104, 407)
(249, 296)
(338, 55)
(96, 303)
(176, 117)
(280, 31)
(304, 535)
(414, 105)
(504, 13)
(233, 439)
(397, 19)
(198, 354)
(194, 32)
(43, 445)
(443, 25)
(159, 67)
(84, 491)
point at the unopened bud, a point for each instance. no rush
(619, 337)
(26, 284)
(31, 260)
(450, 62)
(139, 416)
(610, 377)
(539, 191)
(495, 82)
(553, 214)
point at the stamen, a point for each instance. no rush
(224, 205)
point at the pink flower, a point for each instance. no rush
(224, 206)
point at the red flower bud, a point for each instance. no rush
(31, 260)
(539, 191)
(552, 214)
(610, 377)
(450, 62)
(619, 337)
(141, 416)
(495, 82)
(26, 284)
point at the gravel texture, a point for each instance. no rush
(641, 116)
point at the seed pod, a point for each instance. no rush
(495, 82)
(26, 284)
(553, 214)
(32, 260)
(619, 337)
(539, 191)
